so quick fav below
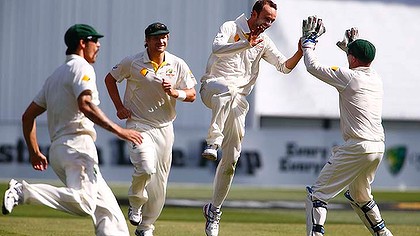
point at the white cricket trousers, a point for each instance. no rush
(75, 161)
(227, 130)
(152, 161)
(350, 166)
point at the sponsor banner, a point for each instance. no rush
(277, 157)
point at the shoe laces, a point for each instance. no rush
(18, 193)
(213, 216)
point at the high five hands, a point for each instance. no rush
(312, 29)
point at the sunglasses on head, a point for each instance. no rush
(92, 39)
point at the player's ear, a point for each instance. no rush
(254, 14)
(82, 43)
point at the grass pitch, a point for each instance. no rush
(188, 221)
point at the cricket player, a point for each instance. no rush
(71, 100)
(231, 73)
(155, 81)
(352, 165)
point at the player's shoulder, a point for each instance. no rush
(80, 64)
(128, 60)
(228, 26)
(174, 59)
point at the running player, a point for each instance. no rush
(155, 79)
(70, 98)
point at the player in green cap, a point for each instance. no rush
(70, 98)
(352, 165)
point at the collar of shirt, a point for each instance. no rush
(242, 23)
(166, 61)
(73, 56)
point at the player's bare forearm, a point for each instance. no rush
(191, 95)
(95, 114)
(188, 95)
(38, 160)
(29, 127)
(294, 60)
(111, 86)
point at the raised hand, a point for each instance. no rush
(308, 26)
(313, 27)
(349, 36)
(253, 36)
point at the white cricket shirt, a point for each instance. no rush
(144, 95)
(360, 99)
(59, 96)
(234, 59)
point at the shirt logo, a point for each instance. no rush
(170, 72)
(236, 38)
(334, 68)
(144, 71)
(85, 78)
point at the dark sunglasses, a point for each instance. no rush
(92, 39)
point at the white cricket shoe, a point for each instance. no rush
(212, 220)
(134, 216)
(210, 152)
(12, 197)
(148, 232)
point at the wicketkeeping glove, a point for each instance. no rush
(349, 36)
(308, 26)
(313, 27)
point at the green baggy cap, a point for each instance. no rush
(362, 50)
(156, 28)
(80, 31)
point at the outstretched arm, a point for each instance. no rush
(38, 160)
(293, 61)
(96, 115)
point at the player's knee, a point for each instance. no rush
(147, 169)
(229, 169)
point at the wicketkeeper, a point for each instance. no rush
(352, 165)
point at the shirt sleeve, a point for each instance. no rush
(273, 56)
(40, 99)
(85, 79)
(121, 71)
(224, 43)
(334, 76)
(186, 79)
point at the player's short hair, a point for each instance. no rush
(259, 4)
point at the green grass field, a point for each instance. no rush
(40, 220)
